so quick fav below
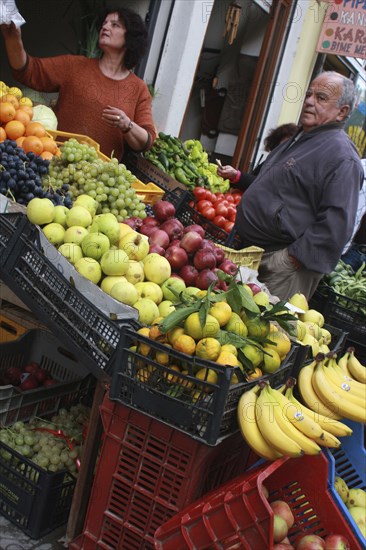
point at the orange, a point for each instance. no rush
(10, 98)
(19, 141)
(14, 129)
(35, 129)
(7, 112)
(185, 344)
(46, 155)
(32, 143)
(2, 134)
(22, 116)
(28, 109)
(49, 144)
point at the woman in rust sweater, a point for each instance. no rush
(102, 97)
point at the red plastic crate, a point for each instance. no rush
(146, 473)
(237, 515)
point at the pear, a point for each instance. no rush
(309, 340)
(300, 301)
(327, 337)
(313, 316)
(356, 497)
(236, 325)
(313, 329)
(341, 487)
(359, 515)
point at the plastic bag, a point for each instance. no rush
(9, 12)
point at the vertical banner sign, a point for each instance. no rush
(344, 29)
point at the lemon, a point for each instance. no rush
(227, 358)
(271, 360)
(185, 344)
(15, 91)
(142, 347)
(257, 327)
(222, 312)
(25, 101)
(208, 348)
(170, 376)
(254, 354)
(280, 342)
(192, 326)
(257, 373)
(208, 375)
(229, 347)
(162, 357)
(174, 333)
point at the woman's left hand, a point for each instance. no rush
(117, 118)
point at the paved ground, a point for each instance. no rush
(12, 538)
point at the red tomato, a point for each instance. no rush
(210, 196)
(221, 209)
(231, 212)
(209, 213)
(220, 196)
(229, 198)
(201, 205)
(192, 204)
(237, 198)
(228, 226)
(199, 193)
(219, 221)
(225, 202)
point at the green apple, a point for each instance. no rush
(147, 289)
(148, 310)
(89, 268)
(108, 224)
(236, 325)
(108, 282)
(78, 215)
(114, 262)
(71, 251)
(40, 211)
(157, 268)
(135, 272)
(60, 213)
(125, 293)
(135, 245)
(54, 232)
(75, 234)
(94, 245)
(123, 229)
(191, 290)
(313, 316)
(166, 307)
(171, 288)
(87, 202)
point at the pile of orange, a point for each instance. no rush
(16, 123)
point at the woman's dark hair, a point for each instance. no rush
(136, 33)
(279, 134)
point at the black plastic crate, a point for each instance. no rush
(33, 499)
(204, 410)
(72, 317)
(341, 311)
(11, 227)
(73, 378)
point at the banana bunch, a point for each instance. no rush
(335, 389)
(275, 424)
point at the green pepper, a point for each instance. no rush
(195, 153)
(163, 159)
(181, 176)
(157, 163)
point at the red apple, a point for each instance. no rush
(283, 546)
(219, 255)
(310, 542)
(41, 375)
(191, 242)
(204, 259)
(157, 249)
(174, 228)
(177, 257)
(31, 367)
(280, 528)
(281, 508)
(150, 220)
(336, 542)
(29, 382)
(189, 274)
(163, 210)
(159, 237)
(205, 278)
(148, 229)
(254, 288)
(229, 267)
(206, 243)
(195, 227)
(133, 222)
(12, 375)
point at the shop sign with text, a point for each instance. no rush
(344, 29)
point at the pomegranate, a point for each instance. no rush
(174, 228)
(197, 228)
(204, 259)
(163, 210)
(177, 257)
(191, 242)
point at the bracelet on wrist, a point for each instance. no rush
(129, 128)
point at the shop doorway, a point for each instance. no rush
(234, 81)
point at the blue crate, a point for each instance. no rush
(348, 462)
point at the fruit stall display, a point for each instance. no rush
(196, 356)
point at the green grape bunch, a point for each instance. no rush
(108, 182)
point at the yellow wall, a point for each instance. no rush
(304, 60)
